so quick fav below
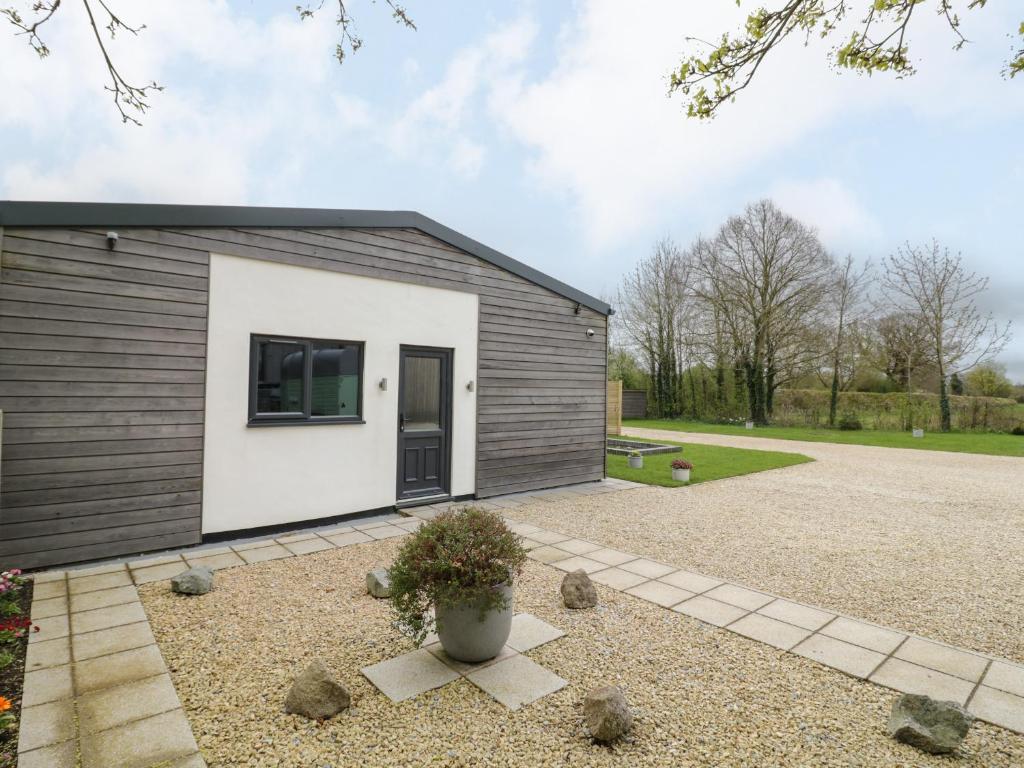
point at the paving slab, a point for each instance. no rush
(999, 707)
(46, 724)
(794, 613)
(158, 572)
(308, 546)
(45, 685)
(112, 707)
(45, 609)
(943, 658)
(610, 556)
(548, 554)
(409, 675)
(347, 538)
(150, 562)
(263, 554)
(863, 634)
(463, 667)
(691, 582)
(117, 669)
(109, 580)
(577, 563)
(517, 681)
(710, 611)
(911, 678)
(578, 546)
(47, 577)
(103, 598)
(294, 537)
(242, 546)
(769, 631)
(386, 532)
(104, 618)
(660, 593)
(96, 570)
(113, 640)
(549, 537)
(48, 653)
(1006, 677)
(141, 743)
(529, 632)
(216, 562)
(846, 657)
(55, 626)
(739, 596)
(647, 568)
(63, 755)
(47, 589)
(616, 578)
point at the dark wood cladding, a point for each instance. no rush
(102, 361)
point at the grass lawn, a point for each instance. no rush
(992, 443)
(710, 462)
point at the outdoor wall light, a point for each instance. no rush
(111, 239)
(471, 386)
(383, 384)
(590, 333)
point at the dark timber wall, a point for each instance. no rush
(102, 359)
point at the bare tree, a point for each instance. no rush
(849, 291)
(933, 284)
(132, 99)
(765, 275)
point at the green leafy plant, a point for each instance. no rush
(634, 454)
(850, 422)
(459, 557)
(6, 659)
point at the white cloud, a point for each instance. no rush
(828, 205)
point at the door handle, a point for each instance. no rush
(401, 422)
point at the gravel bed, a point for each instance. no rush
(703, 697)
(923, 541)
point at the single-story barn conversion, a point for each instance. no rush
(169, 373)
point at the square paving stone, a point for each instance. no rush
(664, 595)
(49, 653)
(104, 618)
(293, 537)
(548, 554)
(740, 596)
(549, 537)
(348, 538)
(46, 724)
(616, 578)
(386, 532)
(101, 581)
(118, 668)
(371, 524)
(579, 562)
(796, 613)
(910, 678)
(48, 589)
(610, 556)
(865, 635)
(529, 632)
(335, 531)
(413, 524)
(529, 544)
(647, 568)
(463, 667)
(409, 675)
(523, 529)
(44, 609)
(64, 755)
(56, 626)
(158, 572)
(103, 598)
(943, 658)
(96, 570)
(851, 659)
(999, 707)
(770, 631)
(47, 577)
(691, 582)
(242, 546)
(113, 640)
(263, 554)
(45, 685)
(578, 546)
(308, 546)
(1006, 677)
(516, 681)
(150, 562)
(111, 707)
(141, 743)
(216, 562)
(710, 611)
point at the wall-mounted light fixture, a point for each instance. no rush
(471, 386)
(111, 239)
(383, 384)
(590, 333)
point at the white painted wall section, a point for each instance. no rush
(257, 476)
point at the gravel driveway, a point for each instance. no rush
(928, 542)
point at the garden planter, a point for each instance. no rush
(681, 475)
(918, 433)
(466, 638)
(749, 425)
(636, 462)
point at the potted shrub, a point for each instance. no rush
(636, 460)
(681, 470)
(461, 565)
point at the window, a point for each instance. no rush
(304, 381)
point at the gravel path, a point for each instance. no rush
(703, 697)
(927, 542)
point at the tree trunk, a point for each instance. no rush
(833, 400)
(946, 424)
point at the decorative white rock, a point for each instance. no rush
(607, 713)
(378, 582)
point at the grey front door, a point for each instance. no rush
(424, 422)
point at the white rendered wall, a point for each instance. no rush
(256, 476)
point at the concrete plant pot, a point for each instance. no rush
(749, 425)
(466, 638)
(681, 475)
(636, 462)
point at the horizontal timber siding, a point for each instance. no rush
(102, 358)
(102, 368)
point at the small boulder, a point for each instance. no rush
(378, 582)
(936, 727)
(607, 713)
(316, 695)
(194, 581)
(578, 590)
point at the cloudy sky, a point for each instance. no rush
(542, 129)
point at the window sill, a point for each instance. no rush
(301, 422)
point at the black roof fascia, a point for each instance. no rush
(17, 213)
